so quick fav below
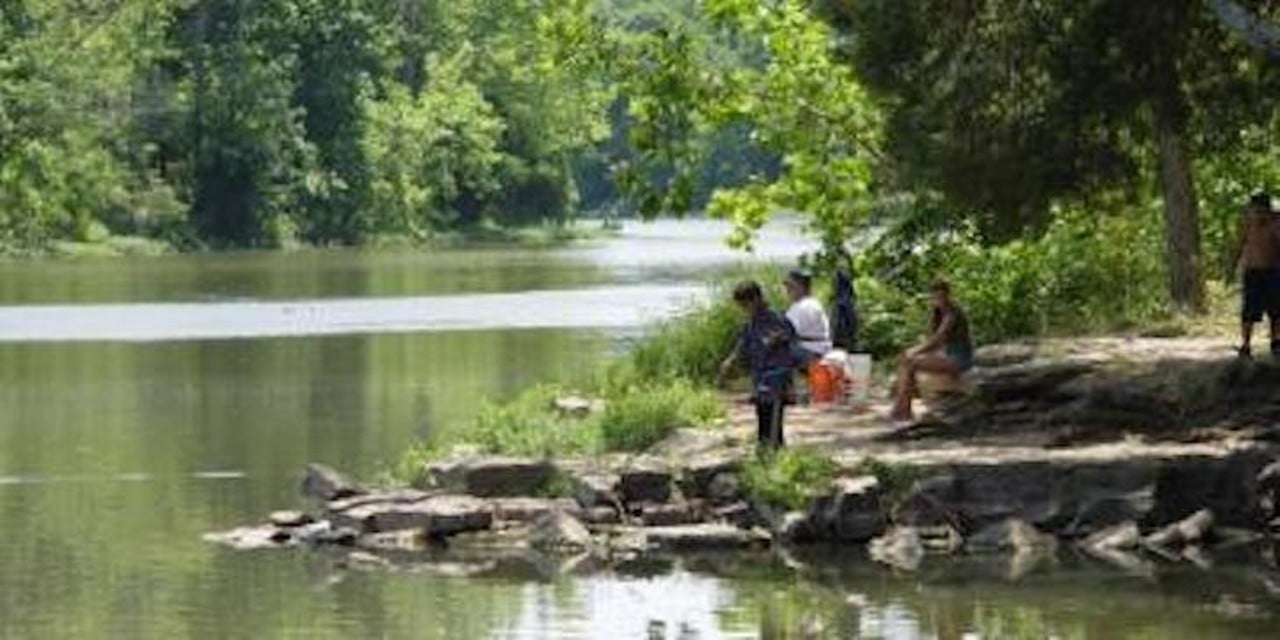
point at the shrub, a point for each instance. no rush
(788, 477)
(644, 416)
(691, 344)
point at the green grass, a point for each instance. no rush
(637, 414)
(789, 477)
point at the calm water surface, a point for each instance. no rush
(146, 402)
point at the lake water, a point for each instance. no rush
(145, 402)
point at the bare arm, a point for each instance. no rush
(939, 336)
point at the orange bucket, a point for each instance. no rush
(824, 383)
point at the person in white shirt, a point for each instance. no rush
(813, 331)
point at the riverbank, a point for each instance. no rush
(1129, 451)
(482, 236)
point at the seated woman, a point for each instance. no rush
(947, 352)
(807, 317)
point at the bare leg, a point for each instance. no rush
(1246, 338)
(927, 363)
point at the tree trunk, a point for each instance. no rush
(1181, 211)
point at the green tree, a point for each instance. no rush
(1007, 106)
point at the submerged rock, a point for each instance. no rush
(1121, 537)
(1010, 535)
(252, 538)
(489, 477)
(321, 482)
(1189, 531)
(900, 547)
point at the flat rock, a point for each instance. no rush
(705, 537)
(577, 406)
(252, 538)
(597, 516)
(490, 477)
(559, 531)
(529, 509)
(394, 496)
(290, 519)
(645, 481)
(668, 515)
(436, 516)
(323, 483)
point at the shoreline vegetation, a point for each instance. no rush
(482, 236)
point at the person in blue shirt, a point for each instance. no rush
(764, 345)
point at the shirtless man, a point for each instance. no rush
(1256, 258)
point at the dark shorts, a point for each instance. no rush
(1261, 295)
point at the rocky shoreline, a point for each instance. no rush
(1123, 499)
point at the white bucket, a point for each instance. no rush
(857, 372)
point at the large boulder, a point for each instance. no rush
(436, 516)
(853, 512)
(489, 477)
(645, 481)
(323, 483)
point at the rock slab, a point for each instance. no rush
(490, 477)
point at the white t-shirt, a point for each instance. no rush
(811, 325)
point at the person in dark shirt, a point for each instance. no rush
(764, 345)
(948, 351)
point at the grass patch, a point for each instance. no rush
(637, 415)
(788, 477)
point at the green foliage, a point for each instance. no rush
(646, 413)
(637, 414)
(788, 477)
(692, 343)
(448, 131)
(1087, 271)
